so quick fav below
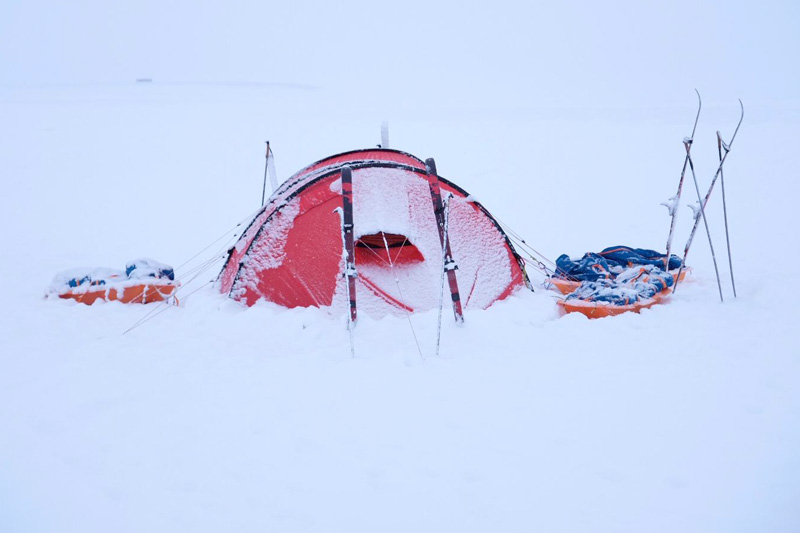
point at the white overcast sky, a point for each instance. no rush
(509, 53)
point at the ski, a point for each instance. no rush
(347, 237)
(449, 263)
(445, 207)
(672, 203)
(701, 207)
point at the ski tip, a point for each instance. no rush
(430, 164)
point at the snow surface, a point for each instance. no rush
(564, 120)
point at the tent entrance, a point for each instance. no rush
(372, 249)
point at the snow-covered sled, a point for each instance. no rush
(143, 281)
(566, 286)
(617, 280)
(600, 309)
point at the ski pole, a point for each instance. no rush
(675, 200)
(725, 213)
(705, 222)
(266, 166)
(705, 201)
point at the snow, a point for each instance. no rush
(77, 274)
(564, 120)
(671, 205)
(147, 268)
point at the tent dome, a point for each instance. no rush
(292, 253)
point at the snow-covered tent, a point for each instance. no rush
(292, 253)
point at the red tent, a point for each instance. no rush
(292, 253)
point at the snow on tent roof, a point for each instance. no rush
(292, 251)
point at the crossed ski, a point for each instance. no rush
(699, 211)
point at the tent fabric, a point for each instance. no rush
(292, 251)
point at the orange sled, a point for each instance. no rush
(141, 293)
(565, 286)
(600, 310)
